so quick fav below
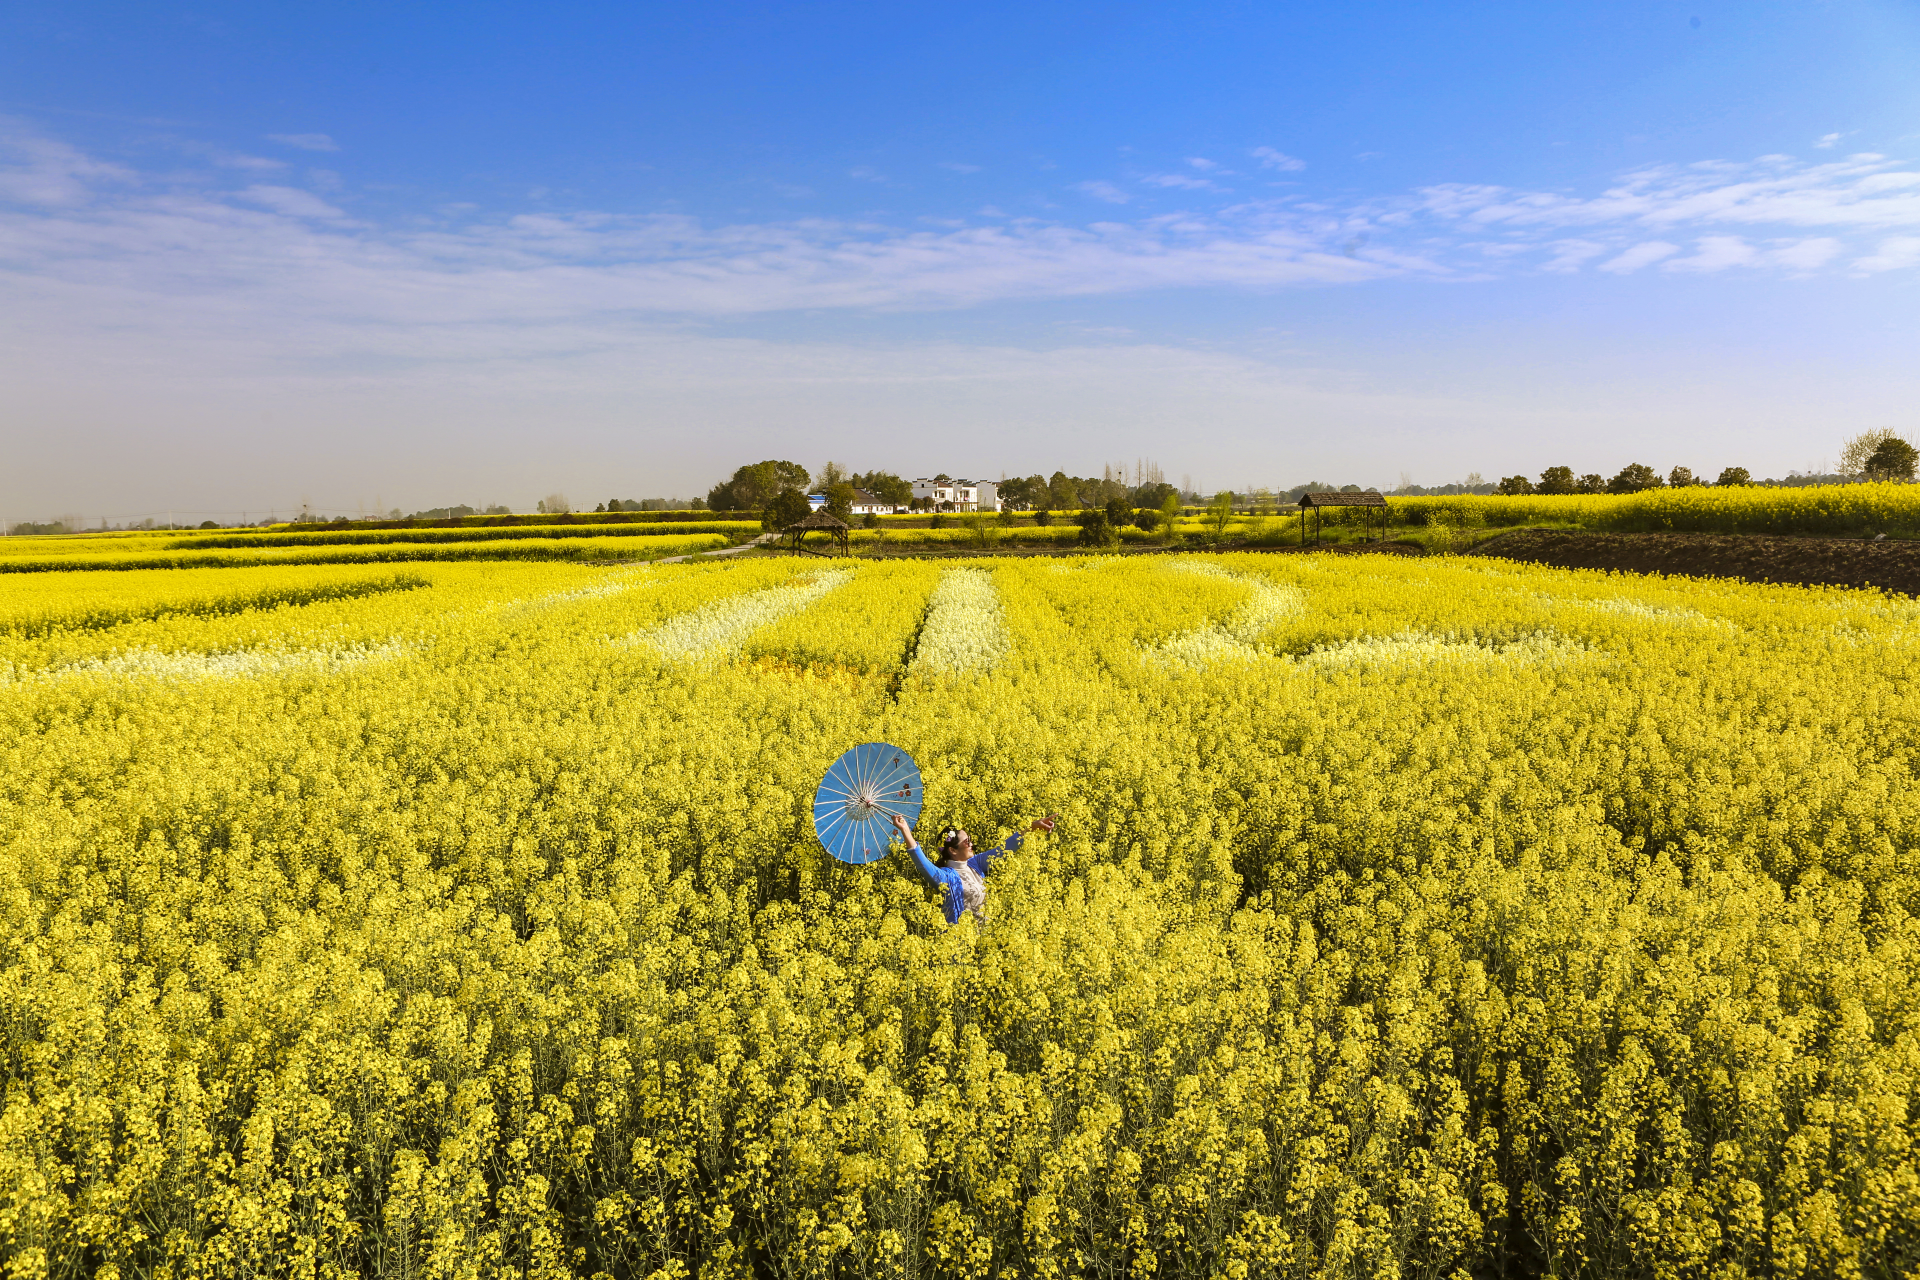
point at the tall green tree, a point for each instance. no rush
(753, 486)
(1558, 480)
(886, 486)
(1220, 511)
(1730, 476)
(1635, 477)
(789, 506)
(1892, 459)
(840, 500)
(1063, 493)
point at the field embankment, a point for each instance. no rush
(1838, 562)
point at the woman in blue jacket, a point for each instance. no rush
(961, 872)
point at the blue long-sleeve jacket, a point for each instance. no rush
(955, 901)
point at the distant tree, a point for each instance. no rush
(830, 475)
(1170, 508)
(886, 486)
(1734, 476)
(208, 524)
(1095, 531)
(1220, 511)
(1557, 480)
(1147, 518)
(602, 507)
(840, 499)
(752, 487)
(1062, 493)
(1855, 453)
(1154, 495)
(1023, 493)
(1592, 482)
(1119, 511)
(789, 506)
(1515, 486)
(871, 520)
(1042, 517)
(1892, 459)
(1349, 488)
(1681, 477)
(556, 504)
(1635, 477)
(943, 478)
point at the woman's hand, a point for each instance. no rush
(1043, 824)
(900, 825)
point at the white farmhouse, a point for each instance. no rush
(864, 504)
(958, 495)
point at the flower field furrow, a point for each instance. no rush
(866, 626)
(1498, 921)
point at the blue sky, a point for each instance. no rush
(257, 255)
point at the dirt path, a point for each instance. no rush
(1752, 557)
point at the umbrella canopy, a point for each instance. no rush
(854, 807)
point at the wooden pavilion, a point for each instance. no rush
(818, 520)
(1317, 502)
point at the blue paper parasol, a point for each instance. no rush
(854, 807)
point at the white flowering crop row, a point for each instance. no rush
(966, 630)
(722, 628)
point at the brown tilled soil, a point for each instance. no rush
(1753, 557)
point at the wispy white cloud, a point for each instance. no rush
(866, 173)
(1827, 142)
(1712, 253)
(1570, 255)
(83, 230)
(1805, 255)
(1895, 253)
(1639, 256)
(1271, 159)
(1181, 182)
(305, 141)
(291, 201)
(1864, 190)
(43, 171)
(1103, 191)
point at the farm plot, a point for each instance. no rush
(1405, 917)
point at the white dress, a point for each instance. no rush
(973, 890)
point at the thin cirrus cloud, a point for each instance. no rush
(1103, 191)
(1271, 159)
(305, 141)
(73, 224)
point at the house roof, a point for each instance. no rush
(1342, 500)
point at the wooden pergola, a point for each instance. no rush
(824, 522)
(1316, 502)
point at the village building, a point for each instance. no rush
(864, 504)
(956, 495)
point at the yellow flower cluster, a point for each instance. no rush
(1831, 509)
(1437, 918)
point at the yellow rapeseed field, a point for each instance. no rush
(1405, 918)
